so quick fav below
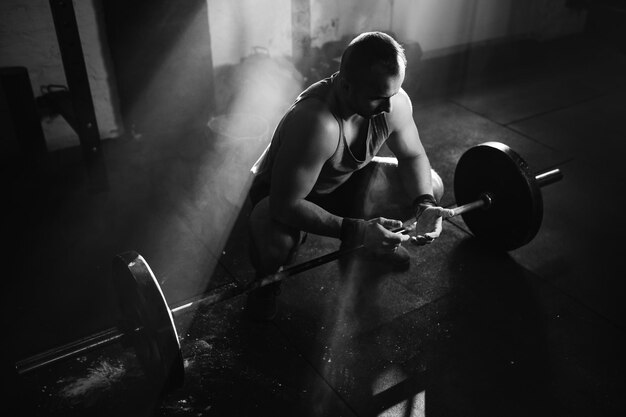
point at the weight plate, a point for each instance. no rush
(147, 319)
(516, 212)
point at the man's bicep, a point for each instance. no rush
(293, 177)
(300, 160)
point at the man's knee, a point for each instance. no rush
(272, 243)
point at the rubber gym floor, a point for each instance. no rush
(466, 331)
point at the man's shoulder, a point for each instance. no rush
(310, 128)
(403, 102)
(402, 110)
(314, 115)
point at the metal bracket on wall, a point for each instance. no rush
(80, 113)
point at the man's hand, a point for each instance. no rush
(379, 237)
(374, 234)
(428, 223)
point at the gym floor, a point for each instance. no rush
(467, 330)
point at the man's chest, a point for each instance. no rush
(357, 135)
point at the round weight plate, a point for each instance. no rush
(148, 320)
(516, 212)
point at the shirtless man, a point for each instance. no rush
(335, 128)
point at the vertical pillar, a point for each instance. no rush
(82, 115)
(68, 37)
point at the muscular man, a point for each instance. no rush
(304, 182)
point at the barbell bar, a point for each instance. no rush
(507, 191)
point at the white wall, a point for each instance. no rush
(28, 38)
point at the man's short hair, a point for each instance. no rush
(368, 51)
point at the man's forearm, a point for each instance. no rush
(416, 175)
(309, 217)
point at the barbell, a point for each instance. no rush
(498, 198)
